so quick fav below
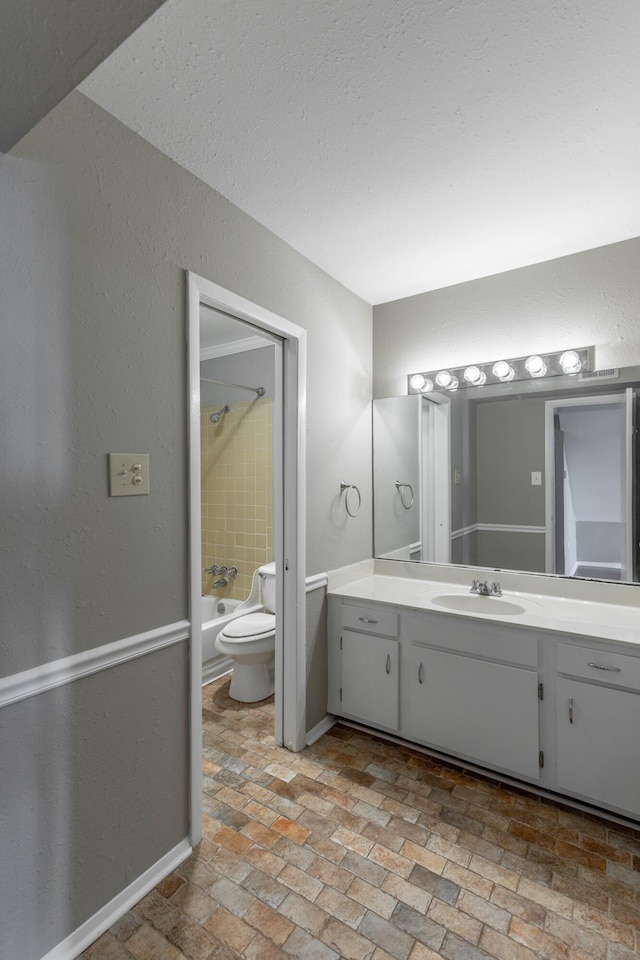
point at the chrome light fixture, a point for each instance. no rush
(535, 366)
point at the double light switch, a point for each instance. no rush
(128, 474)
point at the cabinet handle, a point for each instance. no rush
(420, 674)
(570, 709)
(388, 666)
(365, 620)
(601, 666)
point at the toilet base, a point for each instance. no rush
(251, 682)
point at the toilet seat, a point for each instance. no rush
(253, 626)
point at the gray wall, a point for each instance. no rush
(255, 368)
(97, 230)
(588, 298)
(396, 437)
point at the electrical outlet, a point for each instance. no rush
(128, 474)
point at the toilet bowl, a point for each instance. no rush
(250, 641)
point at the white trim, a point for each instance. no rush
(29, 683)
(316, 581)
(235, 346)
(464, 531)
(73, 945)
(495, 528)
(289, 521)
(220, 667)
(321, 728)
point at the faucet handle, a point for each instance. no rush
(474, 586)
(496, 589)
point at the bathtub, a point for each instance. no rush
(215, 664)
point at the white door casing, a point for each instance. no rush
(289, 522)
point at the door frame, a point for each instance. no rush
(289, 526)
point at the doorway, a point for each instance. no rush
(289, 343)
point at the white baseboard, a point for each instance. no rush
(320, 728)
(215, 669)
(96, 925)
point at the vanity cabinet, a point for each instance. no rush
(598, 726)
(364, 666)
(545, 708)
(472, 691)
(481, 711)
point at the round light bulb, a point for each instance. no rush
(427, 386)
(503, 371)
(453, 384)
(472, 375)
(444, 378)
(570, 362)
(417, 381)
(536, 366)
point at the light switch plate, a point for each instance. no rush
(128, 474)
(536, 478)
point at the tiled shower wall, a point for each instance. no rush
(237, 511)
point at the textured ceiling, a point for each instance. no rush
(401, 146)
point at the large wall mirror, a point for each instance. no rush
(536, 476)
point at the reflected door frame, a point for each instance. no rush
(626, 400)
(288, 519)
(435, 471)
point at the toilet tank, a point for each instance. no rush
(268, 585)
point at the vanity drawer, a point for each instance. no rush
(606, 666)
(483, 639)
(370, 619)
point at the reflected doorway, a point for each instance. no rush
(589, 489)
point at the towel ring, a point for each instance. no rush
(401, 488)
(349, 487)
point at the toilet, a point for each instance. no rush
(250, 641)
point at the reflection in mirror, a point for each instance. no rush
(533, 477)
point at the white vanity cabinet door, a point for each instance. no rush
(370, 689)
(482, 711)
(598, 743)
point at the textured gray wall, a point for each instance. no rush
(94, 791)
(47, 47)
(97, 229)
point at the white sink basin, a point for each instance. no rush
(475, 603)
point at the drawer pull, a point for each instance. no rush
(366, 620)
(570, 709)
(601, 666)
(420, 674)
(388, 666)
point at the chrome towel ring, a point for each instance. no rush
(402, 488)
(349, 487)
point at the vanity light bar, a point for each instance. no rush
(535, 366)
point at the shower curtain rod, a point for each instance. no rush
(237, 386)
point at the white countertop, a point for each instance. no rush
(579, 618)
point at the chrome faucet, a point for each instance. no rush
(481, 587)
(214, 570)
(222, 582)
